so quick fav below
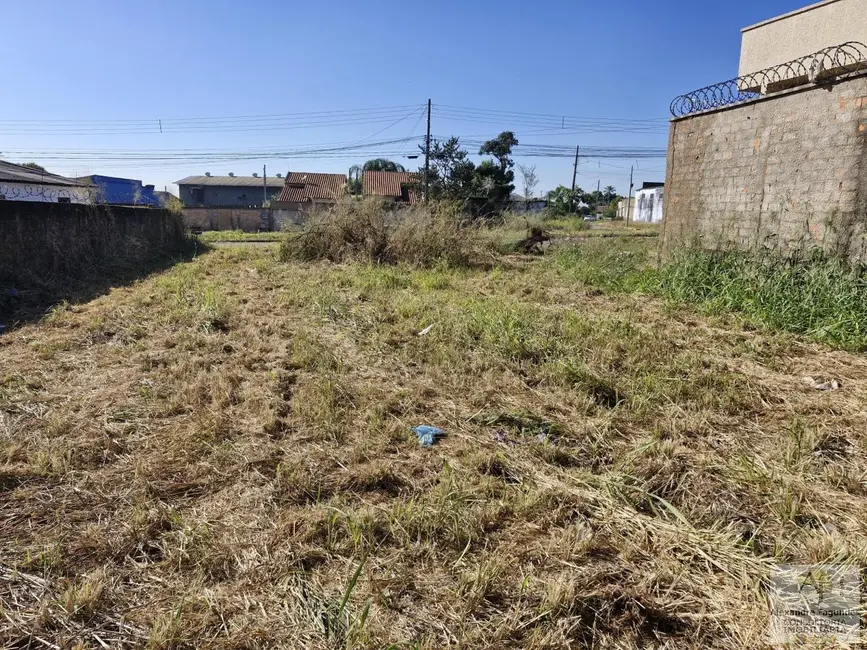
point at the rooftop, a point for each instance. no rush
(231, 181)
(11, 172)
(309, 186)
(391, 185)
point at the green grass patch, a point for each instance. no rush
(211, 236)
(824, 299)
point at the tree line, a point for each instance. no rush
(488, 186)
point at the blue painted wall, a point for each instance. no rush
(122, 191)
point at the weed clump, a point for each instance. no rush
(368, 231)
(825, 299)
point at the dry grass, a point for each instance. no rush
(361, 230)
(221, 457)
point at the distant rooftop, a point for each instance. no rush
(310, 186)
(231, 181)
(13, 173)
(391, 184)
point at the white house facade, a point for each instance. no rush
(648, 203)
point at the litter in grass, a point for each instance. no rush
(426, 330)
(833, 384)
(428, 435)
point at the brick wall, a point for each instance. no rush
(40, 241)
(787, 173)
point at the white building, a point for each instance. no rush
(19, 183)
(648, 203)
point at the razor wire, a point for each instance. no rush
(821, 66)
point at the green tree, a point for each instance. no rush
(382, 165)
(610, 194)
(593, 198)
(353, 183)
(563, 201)
(495, 178)
(452, 174)
(35, 167)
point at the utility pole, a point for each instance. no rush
(427, 156)
(264, 185)
(629, 196)
(574, 177)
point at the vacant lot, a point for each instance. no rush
(221, 457)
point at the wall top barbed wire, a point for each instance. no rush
(813, 68)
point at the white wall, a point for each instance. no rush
(43, 193)
(648, 205)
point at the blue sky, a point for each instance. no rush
(81, 67)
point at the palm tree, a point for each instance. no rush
(610, 193)
(382, 165)
(354, 182)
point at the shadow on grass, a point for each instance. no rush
(29, 300)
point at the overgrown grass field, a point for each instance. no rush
(220, 456)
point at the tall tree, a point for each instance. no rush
(452, 173)
(609, 193)
(495, 177)
(353, 183)
(501, 149)
(528, 174)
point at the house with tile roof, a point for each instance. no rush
(393, 186)
(303, 191)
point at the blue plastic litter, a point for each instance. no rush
(2, 328)
(427, 435)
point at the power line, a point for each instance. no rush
(328, 119)
(548, 115)
(349, 111)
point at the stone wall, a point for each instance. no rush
(787, 173)
(44, 241)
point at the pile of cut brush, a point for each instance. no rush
(370, 231)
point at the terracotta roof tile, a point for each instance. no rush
(308, 186)
(391, 185)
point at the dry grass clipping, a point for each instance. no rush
(220, 457)
(362, 230)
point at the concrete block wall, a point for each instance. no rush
(786, 173)
(247, 219)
